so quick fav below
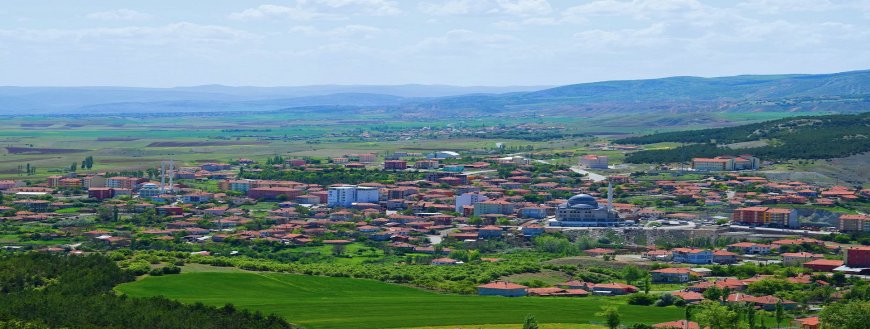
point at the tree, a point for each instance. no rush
(713, 293)
(851, 315)
(611, 316)
(631, 273)
(647, 284)
(530, 322)
(338, 249)
(750, 317)
(779, 313)
(716, 316)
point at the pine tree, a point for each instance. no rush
(530, 322)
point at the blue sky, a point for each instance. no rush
(458, 42)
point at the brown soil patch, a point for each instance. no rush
(36, 150)
(209, 143)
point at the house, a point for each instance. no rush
(612, 288)
(692, 256)
(595, 252)
(750, 248)
(501, 288)
(823, 265)
(798, 258)
(724, 257)
(489, 232)
(679, 324)
(807, 323)
(689, 296)
(767, 303)
(445, 261)
(672, 274)
(660, 255)
(532, 230)
(557, 292)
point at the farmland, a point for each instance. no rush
(324, 302)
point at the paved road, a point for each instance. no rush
(591, 175)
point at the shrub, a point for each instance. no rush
(641, 299)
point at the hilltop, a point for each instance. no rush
(840, 92)
(816, 137)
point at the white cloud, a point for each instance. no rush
(462, 41)
(182, 33)
(303, 10)
(119, 15)
(352, 30)
(487, 7)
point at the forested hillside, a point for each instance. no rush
(58, 291)
(815, 137)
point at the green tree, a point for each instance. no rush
(779, 315)
(611, 316)
(851, 315)
(631, 273)
(716, 316)
(530, 322)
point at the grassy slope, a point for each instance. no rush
(322, 302)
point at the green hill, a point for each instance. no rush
(816, 137)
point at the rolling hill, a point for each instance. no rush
(838, 92)
(812, 137)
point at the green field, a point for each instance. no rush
(324, 302)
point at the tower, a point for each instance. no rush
(162, 176)
(609, 195)
(171, 175)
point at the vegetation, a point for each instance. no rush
(43, 290)
(360, 303)
(818, 137)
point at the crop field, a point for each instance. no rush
(325, 302)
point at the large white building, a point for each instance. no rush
(468, 199)
(345, 196)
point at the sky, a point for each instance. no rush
(165, 43)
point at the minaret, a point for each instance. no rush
(162, 176)
(171, 175)
(609, 195)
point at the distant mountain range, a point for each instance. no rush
(839, 92)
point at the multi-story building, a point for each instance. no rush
(73, 183)
(94, 181)
(426, 164)
(100, 193)
(345, 196)
(468, 199)
(493, 207)
(726, 163)
(240, 185)
(765, 216)
(395, 165)
(858, 257)
(54, 181)
(692, 256)
(854, 223)
(122, 182)
(594, 161)
(273, 193)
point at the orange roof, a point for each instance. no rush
(502, 285)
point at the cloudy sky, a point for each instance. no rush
(459, 42)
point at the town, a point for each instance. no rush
(723, 233)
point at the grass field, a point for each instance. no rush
(323, 302)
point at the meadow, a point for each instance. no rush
(327, 302)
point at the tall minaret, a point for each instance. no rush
(609, 195)
(162, 177)
(171, 175)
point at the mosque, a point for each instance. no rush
(583, 210)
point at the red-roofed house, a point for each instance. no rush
(501, 288)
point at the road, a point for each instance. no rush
(591, 175)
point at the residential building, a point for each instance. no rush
(592, 161)
(347, 195)
(493, 207)
(692, 256)
(798, 258)
(274, 193)
(501, 288)
(672, 275)
(854, 223)
(858, 257)
(468, 199)
(765, 216)
(395, 165)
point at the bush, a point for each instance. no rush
(171, 269)
(641, 299)
(665, 299)
(156, 272)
